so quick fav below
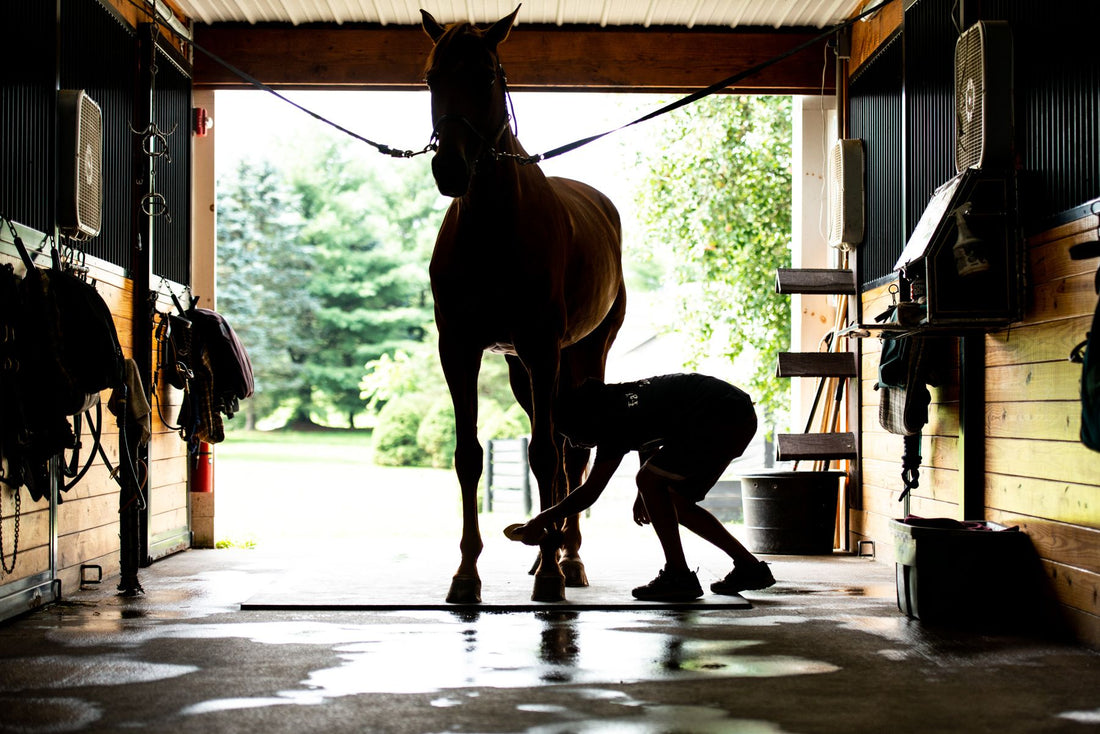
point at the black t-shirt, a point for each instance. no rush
(648, 413)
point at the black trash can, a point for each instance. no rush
(791, 512)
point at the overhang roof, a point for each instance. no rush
(600, 13)
(592, 45)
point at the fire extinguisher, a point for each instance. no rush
(202, 468)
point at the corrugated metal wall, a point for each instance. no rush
(98, 53)
(906, 93)
(27, 104)
(876, 118)
(172, 112)
(1057, 73)
(98, 56)
(929, 43)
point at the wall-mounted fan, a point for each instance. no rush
(845, 193)
(983, 97)
(80, 168)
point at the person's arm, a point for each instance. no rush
(579, 500)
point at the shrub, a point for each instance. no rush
(510, 423)
(436, 434)
(394, 437)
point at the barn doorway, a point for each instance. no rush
(338, 493)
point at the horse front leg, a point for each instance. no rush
(546, 463)
(460, 367)
(576, 462)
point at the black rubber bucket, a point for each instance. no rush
(791, 512)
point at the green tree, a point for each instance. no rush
(367, 228)
(261, 284)
(414, 418)
(717, 207)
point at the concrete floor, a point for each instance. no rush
(825, 650)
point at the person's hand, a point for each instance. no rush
(641, 516)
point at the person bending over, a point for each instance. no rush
(686, 428)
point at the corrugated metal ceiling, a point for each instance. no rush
(686, 13)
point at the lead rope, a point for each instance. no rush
(398, 153)
(15, 546)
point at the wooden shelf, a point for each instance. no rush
(815, 446)
(816, 364)
(816, 280)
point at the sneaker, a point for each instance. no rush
(744, 577)
(670, 586)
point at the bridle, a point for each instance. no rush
(490, 143)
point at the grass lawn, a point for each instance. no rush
(293, 486)
(320, 490)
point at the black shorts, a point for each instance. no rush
(692, 463)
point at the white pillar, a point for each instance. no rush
(814, 123)
(203, 248)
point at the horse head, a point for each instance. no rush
(469, 99)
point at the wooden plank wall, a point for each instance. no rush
(88, 515)
(937, 493)
(1038, 474)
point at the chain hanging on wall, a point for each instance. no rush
(154, 141)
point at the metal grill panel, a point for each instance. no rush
(172, 114)
(98, 55)
(27, 103)
(1057, 98)
(876, 117)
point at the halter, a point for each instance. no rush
(489, 143)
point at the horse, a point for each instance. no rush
(525, 265)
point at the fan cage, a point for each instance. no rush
(970, 98)
(845, 193)
(89, 167)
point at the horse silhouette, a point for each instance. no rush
(525, 265)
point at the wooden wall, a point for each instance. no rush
(87, 518)
(1038, 475)
(937, 494)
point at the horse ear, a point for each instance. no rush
(431, 25)
(499, 32)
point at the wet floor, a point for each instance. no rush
(824, 651)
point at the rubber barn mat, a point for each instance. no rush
(417, 578)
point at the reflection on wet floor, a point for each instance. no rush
(447, 652)
(826, 644)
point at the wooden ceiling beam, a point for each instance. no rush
(580, 58)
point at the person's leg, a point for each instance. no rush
(675, 582)
(662, 515)
(701, 522)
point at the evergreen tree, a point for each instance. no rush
(261, 295)
(369, 229)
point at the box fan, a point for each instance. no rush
(80, 167)
(983, 97)
(963, 262)
(845, 193)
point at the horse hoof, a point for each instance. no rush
(464, 590)
(549, 588)
(573, 568)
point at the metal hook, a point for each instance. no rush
(155, 205)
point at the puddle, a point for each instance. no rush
(436, 652)
(64, 671)
(1082, 717)
(503, 653)
(47, 715)
(663, 720)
